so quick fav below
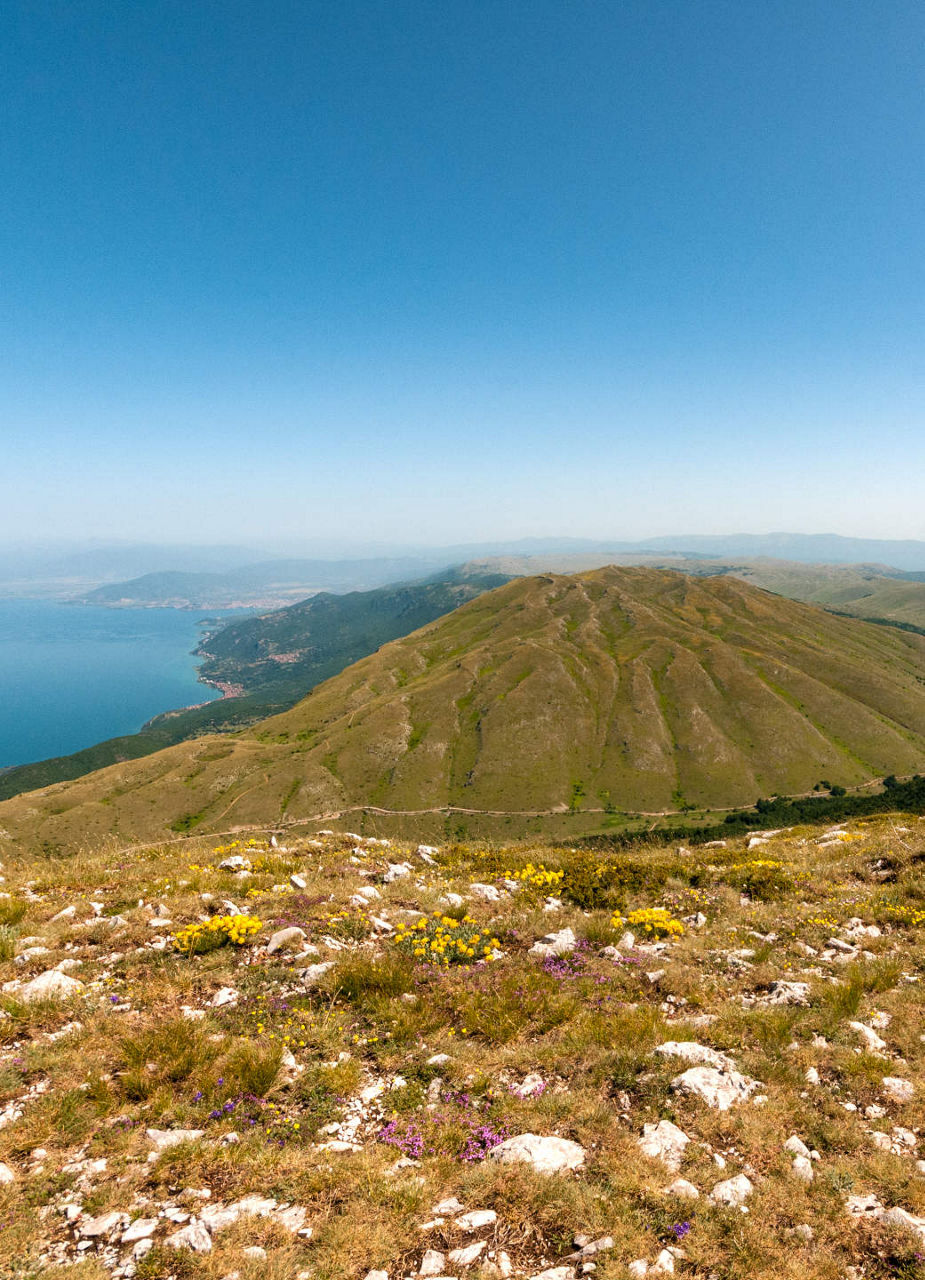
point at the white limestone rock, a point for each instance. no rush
(104, 1225)
(224, 996)
(487, 892)
(733, 1191)
(476, 1219)
(193, 1236)
(718, 1089)
(683, 1189)
(698, 1054)
(140, 1229)
(446, 1208)
(796, 1146)
(545, 1154)
(163, 1139)
(664, 1141)
(872, 1042)
(313, 973)
(290, 939)
(554, 944)
(781, 992)
(898, 1090)
(50, 985)
(468, 1255)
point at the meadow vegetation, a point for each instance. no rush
(366, 1023)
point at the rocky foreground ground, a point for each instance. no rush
(350, 1058)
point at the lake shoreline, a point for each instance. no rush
(72, 677)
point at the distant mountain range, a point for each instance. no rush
(816, 548)
(618, 690)
(268, 584)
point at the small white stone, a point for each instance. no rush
(476, 1219)
(554, 944)
(104, 1225)
(487, 892)
(313, 973)
(447, 1207)
(193, 1236)
(796, 1146)
(140, 1229)
(546, 1154)
(163, 1139)
(683, 1189)
(872, 1042)
(664, 1141)
(733, 1192)
(50, 986)
(898, 1090)
(467, 1256)
(290, 938)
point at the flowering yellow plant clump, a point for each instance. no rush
(195, 939)
(442, 940)
(241, 846)
(654, 922)
(536, 877)
(905, 915)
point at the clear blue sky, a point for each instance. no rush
(427, 271)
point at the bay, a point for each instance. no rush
(74, 675)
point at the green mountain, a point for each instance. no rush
(274, 660)
(619, 689)
(870, 591)
(285, 653)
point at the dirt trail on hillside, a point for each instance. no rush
(334, 815)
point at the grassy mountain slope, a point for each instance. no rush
(276, 659)
(868, 591)
(289, 651)
(624, 688)
(874, 592)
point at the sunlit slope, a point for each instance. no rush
(867, 591)
(622, 687)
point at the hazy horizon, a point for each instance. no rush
(403, 274)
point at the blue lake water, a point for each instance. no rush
(73, 675)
